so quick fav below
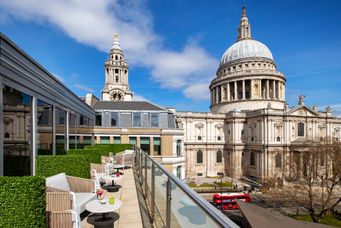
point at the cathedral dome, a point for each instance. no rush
(245, 49)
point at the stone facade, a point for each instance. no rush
(257, 131)
(116, 86)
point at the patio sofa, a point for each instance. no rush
(66, 197)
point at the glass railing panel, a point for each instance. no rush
(186, 213)
(149, 181)
(160, 197)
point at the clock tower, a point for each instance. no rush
(116, 86)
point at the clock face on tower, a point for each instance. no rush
(117, 96)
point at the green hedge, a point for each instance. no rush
(72, 165)
(22, 201)
(114, 148)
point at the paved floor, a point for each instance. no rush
(129, 213)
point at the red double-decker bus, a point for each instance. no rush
(228, 200)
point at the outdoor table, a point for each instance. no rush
(118, 167)
(95, 206)
(110, 178)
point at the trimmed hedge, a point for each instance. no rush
(72, 165)
(114, 148)
(22, 201)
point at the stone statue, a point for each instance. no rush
(301, 100)
(269, 105)
(314, 108)
(286, 107)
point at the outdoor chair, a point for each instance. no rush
(66, 197)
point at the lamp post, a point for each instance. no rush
(221, 190)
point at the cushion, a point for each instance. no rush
(58, 181)
(82, 198)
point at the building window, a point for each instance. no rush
(116, 78)
(199, 137)
(157, 146)
(117, 140)
(132, 140)
(278, 139)
(278, 160)
(218, 138)
(136, 119)
(114, 119)
(145, 144)
(199, 174)
(154, 119)
(178, 147)
(116, 57)
(300, 129)
(199, 157)
(178, 172)
(242, 132)
(105, 139)
(98, 119)
(219, 156)
(322, 159)
(252, 158)
(252, 138)
(87, 140)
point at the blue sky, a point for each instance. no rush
(173, 47)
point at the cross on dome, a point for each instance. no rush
(116, 43)
(244, 30)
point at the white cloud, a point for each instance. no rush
(197, 91)
(137, 97)
(94, 23)
(84, 88)
(60, 78)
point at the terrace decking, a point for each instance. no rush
(130, 215)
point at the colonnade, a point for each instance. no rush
(248, 89)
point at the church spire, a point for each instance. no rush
(244, 30)
(116, 43)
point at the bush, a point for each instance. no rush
(22, 201)
(114, 148)
(72, 165)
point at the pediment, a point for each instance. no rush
(302, 110)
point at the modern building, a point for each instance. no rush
(120, 119)
(250, 122)
(39, 114)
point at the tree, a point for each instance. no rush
(314, 169)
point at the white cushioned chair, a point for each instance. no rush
(67, 195)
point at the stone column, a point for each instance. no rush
(34, 133)
(243, 82)
(274, 89)
(260, 89)
(216, 95)
(267, 89)
(228, 91)
(235, 91)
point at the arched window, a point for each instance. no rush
(300, 129)
(199, 137)
(199, 156)
(178, 147)
(219, 156)
(252, 158)
(116, 57)
(278, 160)
(219, 138)
(116, 78)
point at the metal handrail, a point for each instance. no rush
(218, 217)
